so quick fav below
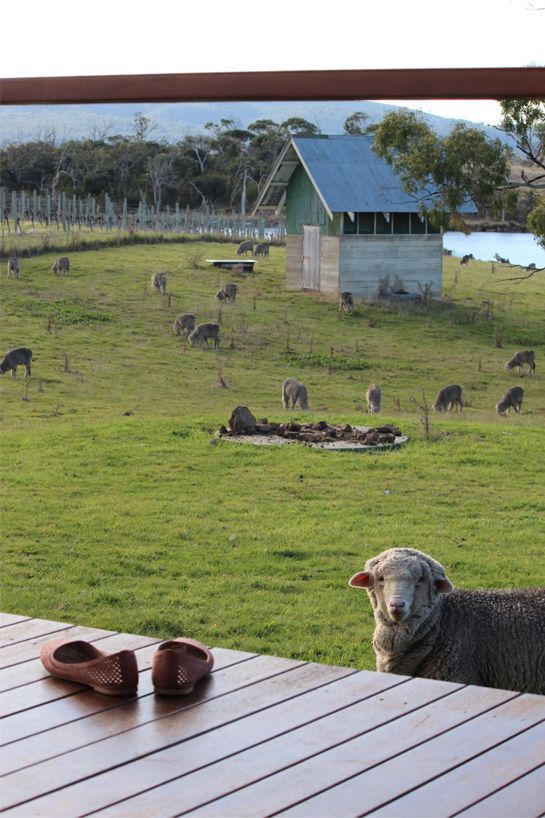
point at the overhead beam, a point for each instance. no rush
(395, 83)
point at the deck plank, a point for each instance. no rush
(310, 699)
(261, 735)
(297, 730)
(152, 733)
(524, 798)
(474, 779)
(10, 619)
(383, 779)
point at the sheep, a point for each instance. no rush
(424, 627)
(525, 356)
(447, 397)
(12, 359)
(184, 324)
(466, 259)
(203, 332)
(262, 249)
(512, 399)
(159, 282)
(346, 302)
(61, 266)
(245, 247)
(373, 397)
(13, 267)
(501, 260)
(227, 293)
(294, 391)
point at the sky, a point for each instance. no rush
(66, 38)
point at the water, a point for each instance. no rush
(519, 248)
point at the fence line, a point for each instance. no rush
(70, 213)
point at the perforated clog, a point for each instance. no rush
(115, 674)
(178, 665)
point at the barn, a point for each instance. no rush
(349, 223)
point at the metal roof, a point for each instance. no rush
(347, 175)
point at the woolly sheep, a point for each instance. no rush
(13, 267)
(203, 332)
(512, 399)
(525, 356)
(262, 249)
(373, 397)
(346, 302)
(227, 293)
(184, 324)
(294, 391)
(424, 627)
(61, 266)
(245, 247)
(159, 282)
(12, 359)
(447, 397)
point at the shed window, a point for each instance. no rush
(418, 225)
(402, 222)
(350, 227)
(366, 223)
(383, 226)
(432, 228)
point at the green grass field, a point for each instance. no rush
(118, 513)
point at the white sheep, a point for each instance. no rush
(294, 391)
(424, 627)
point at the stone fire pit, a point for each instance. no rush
(244, 428)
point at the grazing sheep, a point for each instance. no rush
(501, 260)
(245, 247)
(203, 332)
(346, 302)
(12, 359)
(13, 267)
(447, 397)
(525, 356)
(466, 259)
(294, 391)
(373, 397)
(184, 324)
(61, 266)
(159, 282)
(425, 628)
(512, 399)
(227, 293)
(262, 249)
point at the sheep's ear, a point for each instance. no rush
(363, 579)
(443, 585)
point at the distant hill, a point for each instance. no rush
(174, 121)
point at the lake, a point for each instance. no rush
(519, 248)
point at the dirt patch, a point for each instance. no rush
(320, 435)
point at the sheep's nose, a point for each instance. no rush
(396, 606)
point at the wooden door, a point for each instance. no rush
(311, 257)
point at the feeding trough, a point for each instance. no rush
(244, 428)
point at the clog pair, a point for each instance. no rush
(177, 666)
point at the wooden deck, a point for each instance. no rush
(261, 736)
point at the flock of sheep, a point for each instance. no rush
(453, 395)
(423, 627)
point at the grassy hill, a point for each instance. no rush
(117, 512)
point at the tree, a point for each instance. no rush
(354, 125)
(442, 173)
(524, 120)
(298, 126)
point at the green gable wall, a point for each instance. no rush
(303, 206)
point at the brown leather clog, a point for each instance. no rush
(178, 665)
(115, 674)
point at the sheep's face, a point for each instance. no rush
(402, 584)
(510, 365)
